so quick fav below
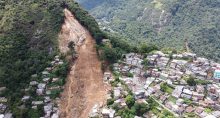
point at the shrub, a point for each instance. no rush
(110, 101)
(130, 101)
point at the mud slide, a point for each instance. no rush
(84, 87)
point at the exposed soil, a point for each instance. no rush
(84, 87)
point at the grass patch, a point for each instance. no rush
(208, 110)
(166, 88)
(172, 99)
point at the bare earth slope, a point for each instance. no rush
(84, 87)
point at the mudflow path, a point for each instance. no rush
(84, 87)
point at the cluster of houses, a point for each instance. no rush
(3, 106)
(39, 93)
(44, 86)
(181, 99)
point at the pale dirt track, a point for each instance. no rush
(84, 87)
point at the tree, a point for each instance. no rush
(111, 54)
(140, 109)
(163, 87)
(147, 48)
(191, 81)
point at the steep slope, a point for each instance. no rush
(28, 33)
(166, 23)
(28, 43)
(85, 86)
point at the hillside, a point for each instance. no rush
(28, 44)
(166, 23)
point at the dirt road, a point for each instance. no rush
(84, 87)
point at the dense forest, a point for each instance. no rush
(166, 23)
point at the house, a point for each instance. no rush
(177, 91)
(213, 96)
(148, 82)
(49, 69)
(47, 99)
(187, 91)
(55, 79)
(94, 112)
(3, 100)
(55, 115)
(199, 110)
(45, 73)
(203, 114)
(33, 83)
(180, 110)
(2, 108)
(149, 91)
(189, 109)
(189, 55)
(210, 116)
(40, 91)
(163, 75)
(25, 98)
(216, 114)
(46, 80)
(169, 105)
(137, 117)
(209, 102)
(34, 76)
(217, 74)
(117, 93)
(60, 63)
(163, 98)
(139, 94)
(41, 86)
(198, 96)
(159, 53)
(48, 110)
(108, 113)
(8, 115)
(37, 103)
(186, 96)
(107, 76)
(53, 63)
(48, 92)
(200, 89)
(179, 102)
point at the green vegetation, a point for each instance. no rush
(136, 109)
(144, 48)
(191, 81)
(153, 105)
(208, 110)
(140, 108)
(191, 115)
(172, 99)
(110, 101)
(166, 23)
(28, 42)
(187, 101)
(166, 114)
(130, 101)
(202, 82)
(166, 88)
